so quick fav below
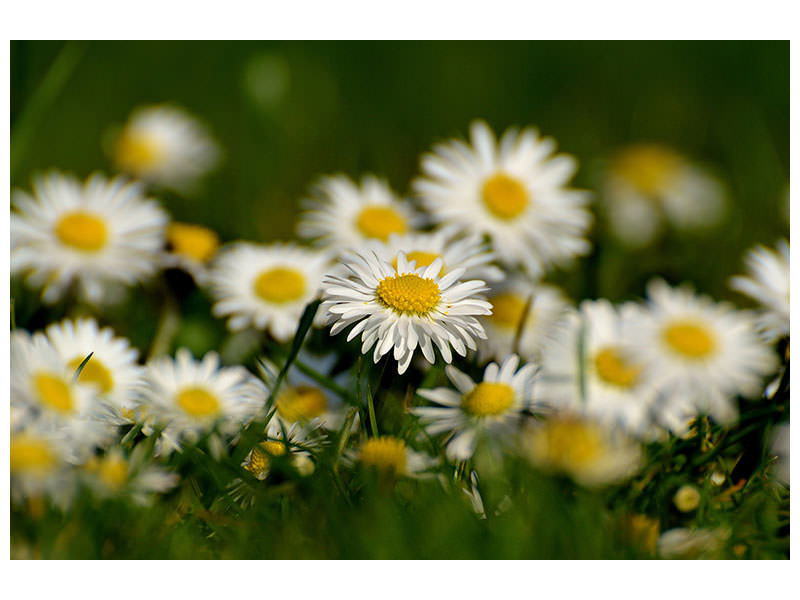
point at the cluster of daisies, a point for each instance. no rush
(456, 269)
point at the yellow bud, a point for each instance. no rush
(687, 498)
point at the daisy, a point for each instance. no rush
(649, 185)
(767, 282)
(400, 308)
(267, 287)
(112, 368)
(99, 233)
(699, 354)
(115, 474)
(191, 247)
(514, 192)
(589, 368)
(295, 443)
(582, 449)
(682, 542)
(343, 215)
(43, 389)
(191, 398)
(518, 302)
(390, 455)
(166, 146)
(492, 406)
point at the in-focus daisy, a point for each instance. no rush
(649, 185)
(515, 192)
(112, 368)
(699, 354)
(400, 308)
(191, 398)
(266, 287)
(589, 368)
(390, 455)
(492, 406)
(343, 215)
(166, 146)
(767, 282)
(115, 474)
(518, 302)
(582, 449)
(97, 233)
(191, 247)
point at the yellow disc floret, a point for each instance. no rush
(408, 294)
(112, 470)
(488, 399)
(137, 153)
(569, 444)
(385, 453)
(508, 310)
(82, 230)
(301, 403)
(93, 372)
(54, 392)
(193, 241)
(689, 339)
(613, 368)
(31, 455)
(647, 167)
(198, 402)
(504, 196)
(380, 222)
(280, 285)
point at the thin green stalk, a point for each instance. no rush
(168, 324)
(326, 382)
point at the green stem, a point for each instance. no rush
(326, 382)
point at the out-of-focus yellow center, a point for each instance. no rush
(198, 402)
(137, 153)
(280, 285)
(112, 471)
(193, 241)
(380, 222)
(647, 167)
(690, 339)
(385, 453)
(83, 231)
(409, 294)
(612, 368)
(508, 310)
(53, 392)
(504, 196)
(488, 399)
(31, 455)
(422, 259)
(301, 403)
(570, 443)
(93, 372)
(257, 462)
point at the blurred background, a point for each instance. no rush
(288, 112)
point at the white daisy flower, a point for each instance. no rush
(767, 282)
(589, 368)
(390, 455)
(491, 407)
(43, 388)
(166, 146)
(115, 474)
(469, 253)
(191, 247)
(190, 398)
(682, 542)
(266, 287)
(404, 307)
(586, 451)
(112, 368)
(649, 185)
(99, 233)
(516, 302)
(699, 354)
(514, 192)
(343, 215)
(294, 441)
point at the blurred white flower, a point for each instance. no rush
(691, 543)
(390, 455)
(115, 474)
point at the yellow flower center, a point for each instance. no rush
(53, 392)
(137, 153)
(612, 368)
(647, 167)
(301, 403)
(385, 453)
(31, 455)
(192, 241)
(504, 196)
(380, 222)
(280, 285)
(198, 402)
(409, 294)
(93, 372)
(422, 258)
(112, 471)
(508, 310)
(488, 399)
(83, 231)
(692, 340)
(258, 461)
(570, 444)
